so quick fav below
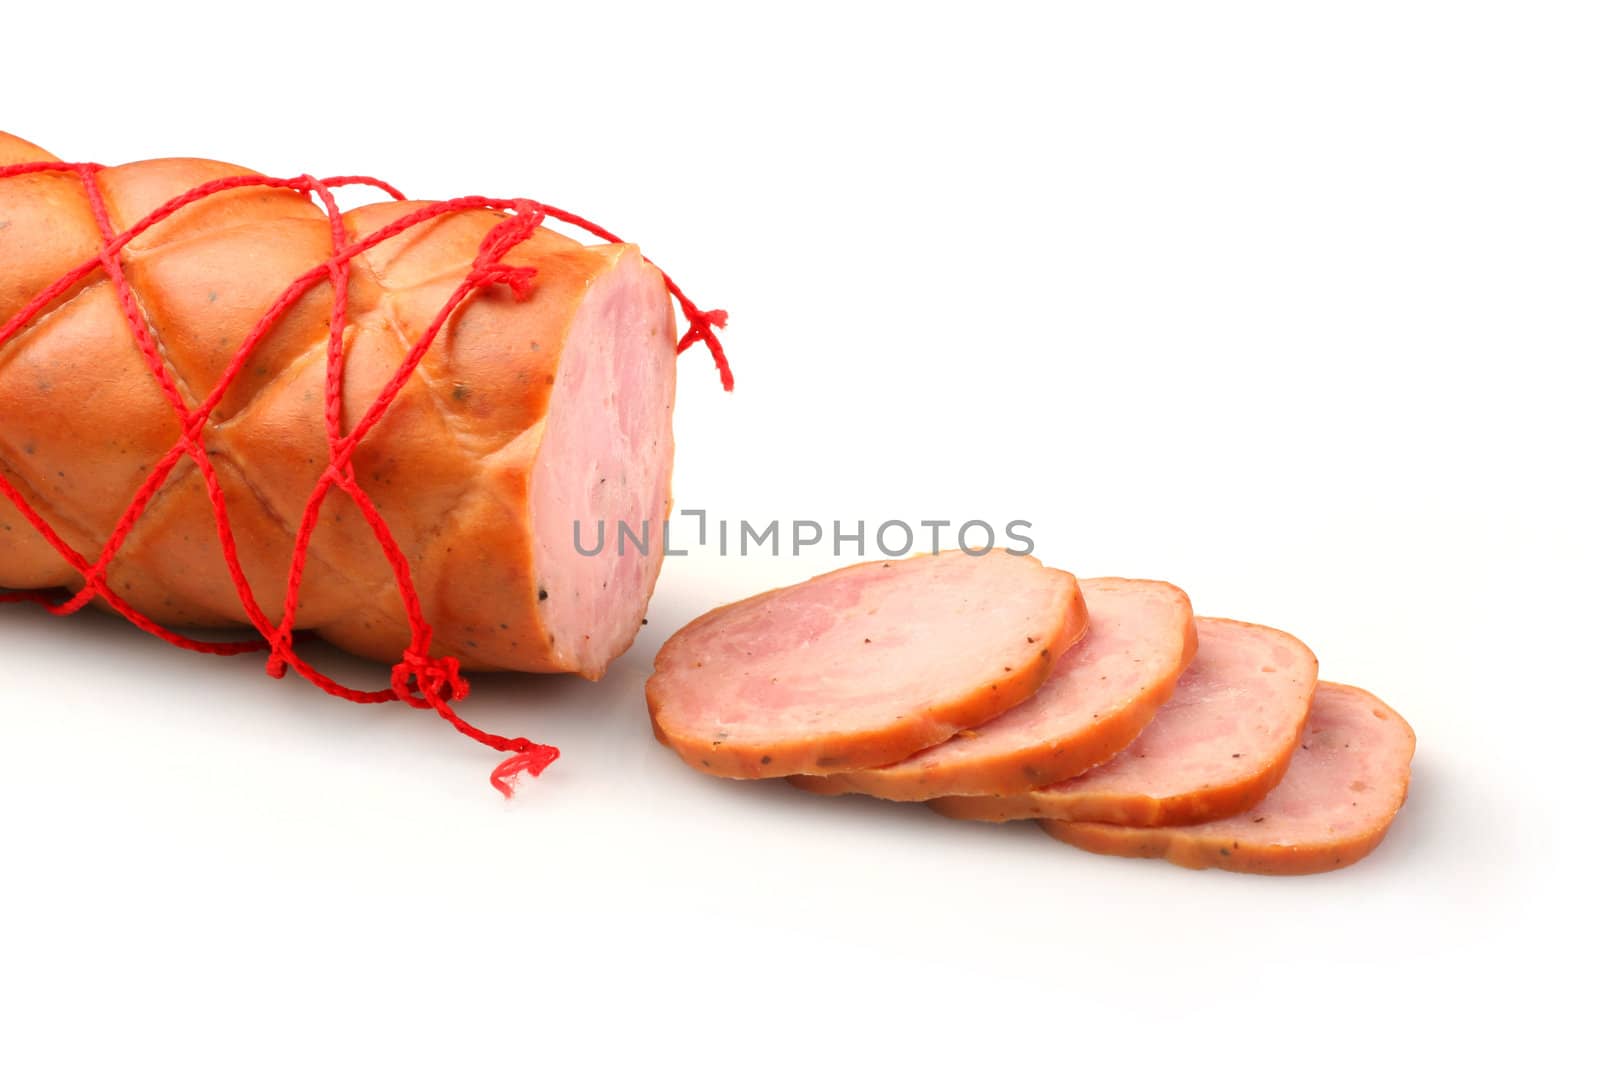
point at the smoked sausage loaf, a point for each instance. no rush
(524, 417)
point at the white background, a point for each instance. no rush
(1294, 305)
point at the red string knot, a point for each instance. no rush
(277, 663)
(488, 267)
(519, 279)
(421, 680)
(700, 331)
(700, 324)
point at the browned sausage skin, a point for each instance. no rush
(523, 418)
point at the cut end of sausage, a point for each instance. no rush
(1103, 691)
(1342, 791)
(1216, 748)
(862, 666)
(603, 471)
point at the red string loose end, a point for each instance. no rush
(533, 760)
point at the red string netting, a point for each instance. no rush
(419, 679)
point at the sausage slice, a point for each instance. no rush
(1101, 694)
(862, 666)
(1344, 787)
(1215, 749)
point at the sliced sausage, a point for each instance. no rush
(1343, 789)
(1101, 694)
(1215, 749)
(862, 666)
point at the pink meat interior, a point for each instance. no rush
(606, 458)
(860, 648)
(1137, 635)
(1237, 708)
(1348, 775)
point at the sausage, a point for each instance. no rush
(1342, 791)
(1103, 691)
(1215, 749)
(525, 418)
(861, 666)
